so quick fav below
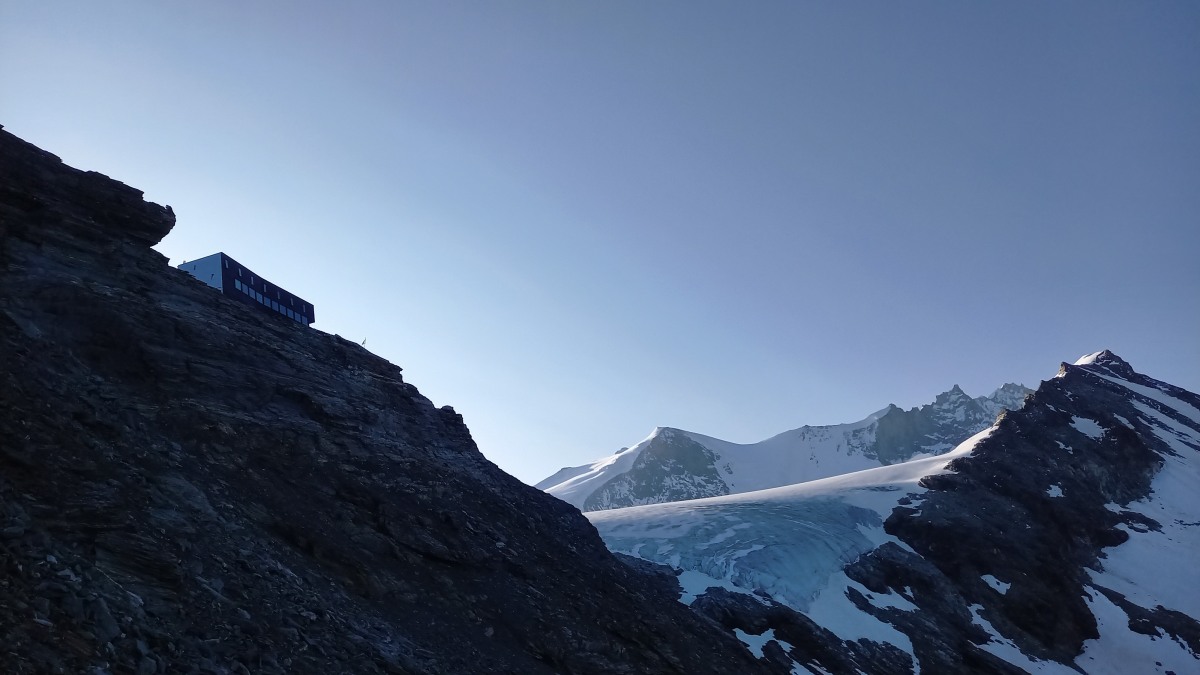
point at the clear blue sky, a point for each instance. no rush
(577, 221)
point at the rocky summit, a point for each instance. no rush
(188, 485)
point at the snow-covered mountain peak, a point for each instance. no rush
(1103, 357)
(664, 432)
(1105, 361)
(674, 464)
(954, 398)
(884, 411)
(1101, 363)
(1010, 395)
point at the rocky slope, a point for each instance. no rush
(672, 464)
(1061, 539)
(191, 486)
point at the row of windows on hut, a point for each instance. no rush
(236, 281)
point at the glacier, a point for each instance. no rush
(786, 542)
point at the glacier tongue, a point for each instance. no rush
(785, 549)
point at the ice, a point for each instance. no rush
(1087, 427)
(1054, 491)
(729, 532)
(995, 583)
(786, 549)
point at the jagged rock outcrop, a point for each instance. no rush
(1034, 507)
(190, 486)
(673, 465)
(939, 426)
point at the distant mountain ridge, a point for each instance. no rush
(673, 464)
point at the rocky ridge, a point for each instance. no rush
(673, 464)
(191, 486)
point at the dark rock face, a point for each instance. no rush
(950, 419)
(1029, 507)
(39, 192)
(187, 485)
(810, 644)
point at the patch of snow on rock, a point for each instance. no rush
(755, 643)
(833, 610)
(1158, 567)
(1003, 648)
(884, 601)
(995, 583)
(1089, 428)
(1158, 396)
(1119, 651)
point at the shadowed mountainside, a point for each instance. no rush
(190, 485)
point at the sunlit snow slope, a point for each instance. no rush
(1064, 536)
(671, 464)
